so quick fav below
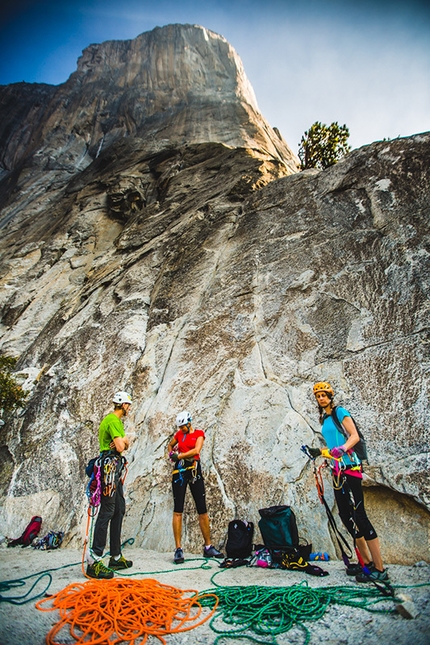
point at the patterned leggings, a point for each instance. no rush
(352, 511)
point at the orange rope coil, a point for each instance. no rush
(120, 610)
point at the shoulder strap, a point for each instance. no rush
(337, 423)
(360, 448)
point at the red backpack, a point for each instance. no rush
(30, 532)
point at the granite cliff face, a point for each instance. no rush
(182, 259)
(175, 85)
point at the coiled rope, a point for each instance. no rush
(259, 613)
(120, 610)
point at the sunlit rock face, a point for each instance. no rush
(174, 85)
(203, 275)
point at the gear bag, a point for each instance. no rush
(278, 528)
(239, 539)
(51, 540)
(360, 448)
(94, 486)
(30, 532)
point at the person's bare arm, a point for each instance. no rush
(172, 444)
(353, 438)
(120, 443)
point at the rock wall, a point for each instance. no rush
(200, 276)
(174, 85)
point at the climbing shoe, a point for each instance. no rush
(99, 570)
(374, 576)
(121, 563)
(212, 552)
(178, 557)
(293, 561)
(356, 569)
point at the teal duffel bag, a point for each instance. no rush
(278, 528)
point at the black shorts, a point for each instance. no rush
(180, 481)
(353, 515)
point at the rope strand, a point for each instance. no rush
(121, 610)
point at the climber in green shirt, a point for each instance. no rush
(111, 428)
(113, 441)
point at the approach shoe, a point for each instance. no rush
(121, 563)
(178, 557)
(99, 570)
(374, 576)
(356, 569)
(212, 552)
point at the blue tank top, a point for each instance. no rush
(333, 437)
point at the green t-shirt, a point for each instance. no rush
(110, 428)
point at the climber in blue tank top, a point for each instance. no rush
(333, 437)
(347, 477)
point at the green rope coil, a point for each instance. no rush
(261, 613)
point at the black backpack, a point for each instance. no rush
(239, 539)
(278, 528)
(360, 448)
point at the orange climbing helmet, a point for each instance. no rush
(323, 386)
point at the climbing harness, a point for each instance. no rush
(113, 466)
(182, 469)
(104, 471)
(339, 480)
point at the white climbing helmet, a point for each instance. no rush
(122, 397)
(183, 418)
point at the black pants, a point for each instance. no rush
(352, 513)
(180, 481)
(111, 512)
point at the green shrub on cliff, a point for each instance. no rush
(12, 395)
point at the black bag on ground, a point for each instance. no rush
(305, 548)
(278, 528)
(239, 539)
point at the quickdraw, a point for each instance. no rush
(114, 469)
(109, 471)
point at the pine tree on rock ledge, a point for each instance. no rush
(322, 146)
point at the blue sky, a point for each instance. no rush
(363, 63)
